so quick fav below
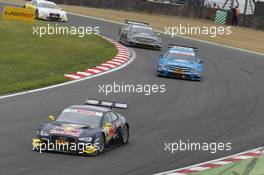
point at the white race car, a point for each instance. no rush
(47, 10)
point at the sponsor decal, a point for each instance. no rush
(70, 131)
(110, 132)
(86, 112)
(18, 14)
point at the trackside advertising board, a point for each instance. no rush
(18, 14)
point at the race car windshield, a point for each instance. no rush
(82, 117)
(140, 29)
(181, 57)
(48, 5)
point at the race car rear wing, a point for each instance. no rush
(187, 47)
(109, 104)
(127, 21)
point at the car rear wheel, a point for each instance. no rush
(125, 135)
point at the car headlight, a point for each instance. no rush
(43, 13)
(44, 134)
(157, 41)
(161, 66)
(134, 39)
(194, 71)
(63, 14)
(86, 139)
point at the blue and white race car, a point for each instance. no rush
(181, 62)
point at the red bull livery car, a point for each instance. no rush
(84, 129)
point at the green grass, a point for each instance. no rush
(28, 61)
(253, 166)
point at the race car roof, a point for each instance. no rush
(182, 50)
(90, 108)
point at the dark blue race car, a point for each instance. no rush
(181, 62)
(84, 129)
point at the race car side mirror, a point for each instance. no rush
(51, 118)
(108, 125)
(158, 34)
(200, 61)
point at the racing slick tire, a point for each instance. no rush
(125, 42)
(125, 135)
(101, 146)
(36, 14)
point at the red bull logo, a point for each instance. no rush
(70, 131)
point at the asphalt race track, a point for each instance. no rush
(227, 105)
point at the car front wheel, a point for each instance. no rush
(101, 144)
(36, 14)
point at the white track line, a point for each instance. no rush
(114, 62)
(94, 70)
(84, 73)
(104, 68)
(124, 59)
(118, 60)
(72, 76)
(110, 65)
(222, 162)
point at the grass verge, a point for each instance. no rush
(28, 61)
(246, 167)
